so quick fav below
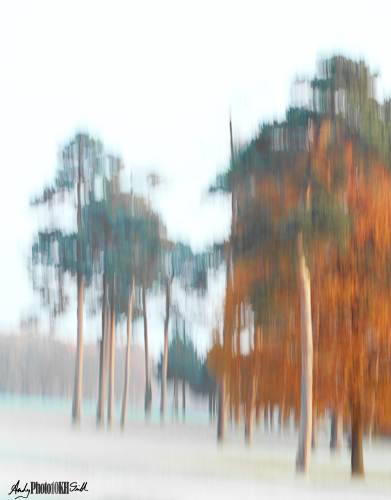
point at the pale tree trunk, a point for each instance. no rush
(110, 402)
(250, 411)
(176, 396)
(148, 388)
(165, 355)
(281, 411)
(304, 451)
(102, 368)
(101, 354)
(183, 397)
(238, 370)
(221, 417)
(336, 430)
(257, 415)
(371, 420)
(266, 420)
(314, 442)
(127, 361)
(77, 395)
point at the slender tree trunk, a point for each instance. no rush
(336, 430)
(210, 407)
(267, 419)
(281, 416)
(183, 397)
(304, 451)
(110, 402)
(357, 461)
(221, 418)
(127, 361)
(238, 365)
(314, 441)
(372, 418)
(165, 355)
(176, 396)
(356, 381)
(257, 415)
(148, 388)
(250, 411)
(77, 395)
(102, 368)
(101, 354)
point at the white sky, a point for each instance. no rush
(155, 81)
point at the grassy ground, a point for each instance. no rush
(175, 460)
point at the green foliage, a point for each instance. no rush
(183, 361)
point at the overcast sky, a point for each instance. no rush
(155, 81)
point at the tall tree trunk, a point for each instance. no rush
(250, 411)
(221, 417)
(281, 411)
(257, 415)
(336, 430)
(176, 396)
(357, 461)
(183, 397)
(267, 419)
(165, 354)
(304, 451)
(110, 402)
(314, 441)
(148, 388)
(238, 365)
(372, 417)
(127, 361)
(77, 395)
(102, 368)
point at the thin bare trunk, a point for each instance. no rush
(77, 395)
(102, 368)
(304, 451)
(250, 411)
(221, 418)
(314, 441)
(148, 388)
(176, 396)
(165, 354)
(372, 418)
(183, 397)
(127, 361)
(281, 416)
(110, 402)
(257, 415)
(238, 359)
(357, 461)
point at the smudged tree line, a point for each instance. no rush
(307, 267)
(308, 273)
(120, 250)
